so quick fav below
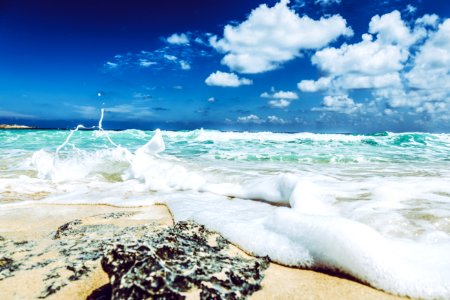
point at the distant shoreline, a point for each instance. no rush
(15, 126)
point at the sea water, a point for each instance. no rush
(375, 207)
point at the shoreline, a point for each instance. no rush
(15, 126)
(32, 227)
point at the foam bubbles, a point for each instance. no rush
(326, 242)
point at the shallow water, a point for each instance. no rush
(373, 206)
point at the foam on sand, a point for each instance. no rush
(325, 242)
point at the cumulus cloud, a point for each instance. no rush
(178, 39)
(146, 63)
(428, 20)
(392, 60)
(111, 65)
(279, 99)
(432, 62)
(374, 62)
(273, 35)
(211, 99)
(170, 57)
(250, 119)
(315, 85)
(226, 80)
(281, 103)
(427, 83)
(254, 119)
(276, 120)
(391, 29)
(280, 95)
(339, 103)
(185, 65)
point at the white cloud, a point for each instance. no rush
(432, 62)
(170, 57)
(185, 65)
(146, 63)
(288, 95)
(178, 39)
(276, 120)
(280, 99)
(226, 80)
(322, 83)
(273, 35)
(254, 119)
(281, 103)
(338, 103)
(177, 52)
(406, 67)
(391, 29)
(433, 107)
(376, 62)
(367, 57)
(111, 65)
(351, 82)
(211, 99)
(250, 119)
(428, 20)
(410, 9)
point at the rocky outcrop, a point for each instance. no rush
(146, 260)
(177, 261)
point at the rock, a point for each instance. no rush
(186, 258)
(72, 254)
(142, 259)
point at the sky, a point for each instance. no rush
(289, 66)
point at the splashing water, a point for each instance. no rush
(375, 207)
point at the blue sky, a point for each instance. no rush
(304, 65)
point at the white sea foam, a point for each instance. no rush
(313, 241)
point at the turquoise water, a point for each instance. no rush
(260, 187)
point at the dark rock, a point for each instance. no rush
(7, 267)
(171, 262)
(143, 261)
(66, 228)
(102, 293)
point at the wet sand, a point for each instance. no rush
(28, 232)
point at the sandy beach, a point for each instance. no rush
(29, 231)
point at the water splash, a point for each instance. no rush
(80, 126)
(103, 131)
(68, 138)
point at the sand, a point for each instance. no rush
(37, 223)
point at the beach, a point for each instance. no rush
(35, 225)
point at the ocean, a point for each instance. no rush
(375, 207)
